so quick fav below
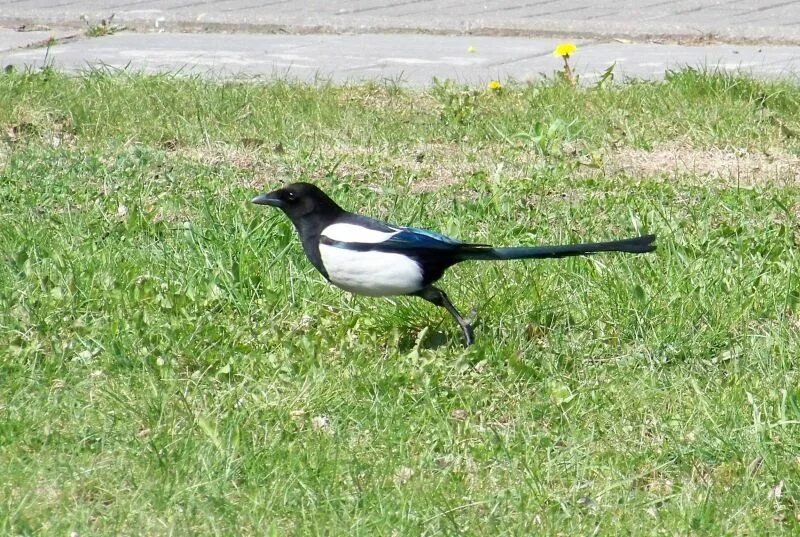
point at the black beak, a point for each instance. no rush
(268, 199)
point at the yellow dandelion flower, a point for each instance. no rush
(495, 85)
(564, 50)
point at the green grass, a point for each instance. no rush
(172, 364)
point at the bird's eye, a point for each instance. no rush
(290, 196)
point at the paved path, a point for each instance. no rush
(413, 59)
(729, 20)
(469, 42)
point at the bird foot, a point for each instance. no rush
(467, 325)
(469, 336)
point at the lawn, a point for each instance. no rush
(172, 364)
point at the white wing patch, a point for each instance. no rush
(354, 233)
(370, 273)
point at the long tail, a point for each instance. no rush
(638, 245)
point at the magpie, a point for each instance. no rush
(368, 257)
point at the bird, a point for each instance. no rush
(366, 256)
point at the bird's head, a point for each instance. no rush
(301, 201)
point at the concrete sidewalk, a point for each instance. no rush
(402, 58)
(762, 21)
(408, 41)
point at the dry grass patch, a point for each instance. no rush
(716, 166)
(424, 167)
(427, 167)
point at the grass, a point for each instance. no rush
(103, 28)
(173, 364)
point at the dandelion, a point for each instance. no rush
(471, 49)
(495, 85)
(564, 50)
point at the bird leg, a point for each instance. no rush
(438, 297)
(473, 316)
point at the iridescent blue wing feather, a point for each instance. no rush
(409, 237)
(405, 240)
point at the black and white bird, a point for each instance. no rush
(369, 257)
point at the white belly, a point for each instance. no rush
(371, 273)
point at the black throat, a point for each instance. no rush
(309, 227)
